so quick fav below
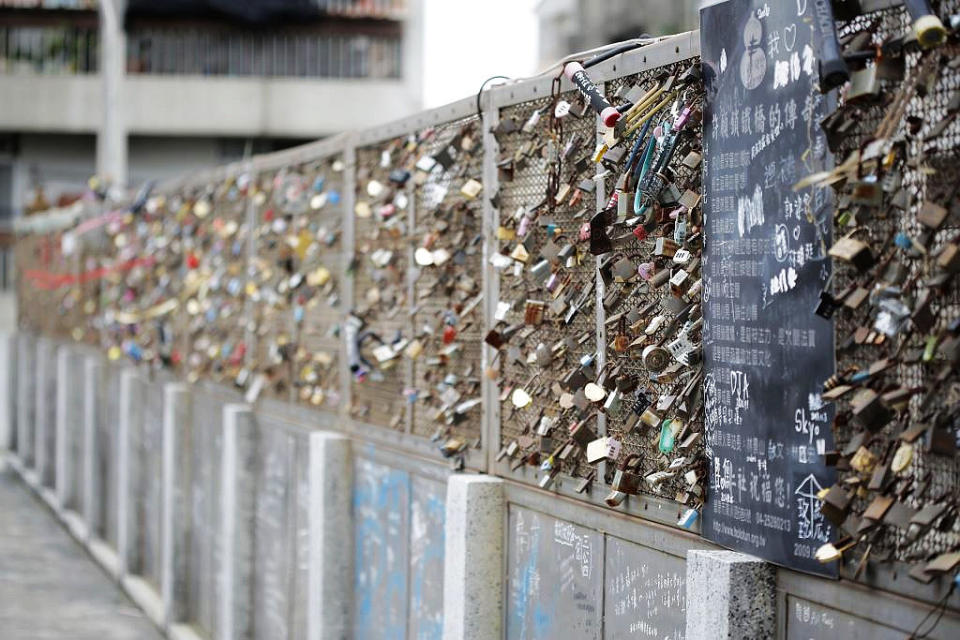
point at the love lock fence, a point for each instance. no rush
(506, 354)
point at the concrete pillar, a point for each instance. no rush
(330, 525)
(92, 379)
(25, 400)
(130, 419)
(40, 372)
(175, 525)
(8, 364)
(473, 560)
(237, 502)
(64, 461)
(112, 136)
(730, 596)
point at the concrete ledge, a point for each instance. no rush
(183, 632)
(31, 477)
(730, 596)
(76, 526)
(106, 557)
(49, 496)
(15, 463)
(145, 597)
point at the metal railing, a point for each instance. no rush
(197, 51)
(49, 49)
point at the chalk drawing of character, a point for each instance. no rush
(753, 65)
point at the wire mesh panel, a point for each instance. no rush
(546, 328)
(217, 287)
(651, 287)
(141, 275)
(447, 284)
(297, 314)
(317, 301)
(279, 240)
(578, 289)
(895, 137)
(381, 284)
(48, 287)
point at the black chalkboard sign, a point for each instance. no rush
(766, 353)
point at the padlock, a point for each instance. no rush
(541, 270)
(853, 251)
(870, 411)
(581, 433)
(533, 312)
(625, 479)
(624, 269)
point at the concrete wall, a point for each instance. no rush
(270, 525)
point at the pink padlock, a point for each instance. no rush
(645, 270)
(524, 226)
(584, 232)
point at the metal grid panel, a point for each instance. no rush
(216, 237)
(318, 304)
(381, 281)
(277, 237)
(638, 296)
(930, 134)
(48, 290)
(447, 296)
(523, 193)
(142, 261)
(297, 258)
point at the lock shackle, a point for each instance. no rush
(627, 461)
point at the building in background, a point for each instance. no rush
(576, 25)
(204, 81)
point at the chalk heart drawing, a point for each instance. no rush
(801, 7)
(790, 36)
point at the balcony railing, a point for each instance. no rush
(274, 54)
(48, 49)
(51, 50)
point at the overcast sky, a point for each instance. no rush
(467, 41)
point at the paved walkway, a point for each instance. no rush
(50, 589)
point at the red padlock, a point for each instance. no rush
(449, 334)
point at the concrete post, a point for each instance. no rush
(92, 379)
(237, 487)
(112, 136)
(8, 363)
(730, 596)
(25, 400)
(473, 560)
(330, 525)
(40, 402)
(64, 461)
(131, 406)
(175, 525)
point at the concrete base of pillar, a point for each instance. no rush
(730, 596)
(107, 558)
(473, 561)
(145, 597)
